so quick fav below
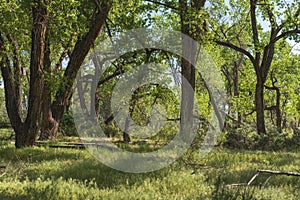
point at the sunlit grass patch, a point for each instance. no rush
(57, 173)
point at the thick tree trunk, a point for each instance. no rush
(17, 74)
(36, 83)
(12, 103)
(26, 132)
(187, 67)
(77, 57)
(187, 96)
(48, 129)
(260, 106)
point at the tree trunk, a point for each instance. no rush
(126, 136)
(260, 106)
(11, 102)
(36, 83)
(187, 95)
(187, 66)
(26, 132)
(48, 129)
(236, 89)
(277, 107)
(77, 57)
(278, 111)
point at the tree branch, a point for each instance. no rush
(239, 49)
(260, 171)
(253, 4)
(285, 34)
(163, 4)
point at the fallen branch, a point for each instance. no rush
(4, 167)
(65, 145)
(280, 173)
(3, 174)
(260, 171)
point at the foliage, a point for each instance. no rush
(245, 137)
(3, 114)
(67, 126)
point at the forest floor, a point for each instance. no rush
(63, 173)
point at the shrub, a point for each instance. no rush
(67, 125)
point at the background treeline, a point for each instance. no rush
(251, 42)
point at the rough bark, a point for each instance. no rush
(48, 127)
(36, 83)
(11, 97)
(260, 106)
(187, 67)
(77, 57)
(17, 73)
(236, 88)
(12, 89)
(27, 132)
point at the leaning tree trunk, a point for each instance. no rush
(77, 57)
(48, 130)
(12, 100)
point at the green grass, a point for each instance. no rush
(47, 173)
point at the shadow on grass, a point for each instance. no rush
(37, 154)
(79, 164)
(33, 163)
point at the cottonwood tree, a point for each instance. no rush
(194, 27)
(282, 86)
(281, 18)
(16, 47)
(192, 23)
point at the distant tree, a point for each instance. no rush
(283, 21)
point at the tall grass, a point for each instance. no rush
(46, 173)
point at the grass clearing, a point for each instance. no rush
(54, 173)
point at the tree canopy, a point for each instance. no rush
(43, 45)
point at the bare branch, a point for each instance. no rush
(271, 17)
(280, 172)
(115, 74)
(253, 4)
(61, 58)
(285, 34)
(163, 4)
(239, 49)
(260, 171)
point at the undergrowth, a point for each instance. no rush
(47, 173)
